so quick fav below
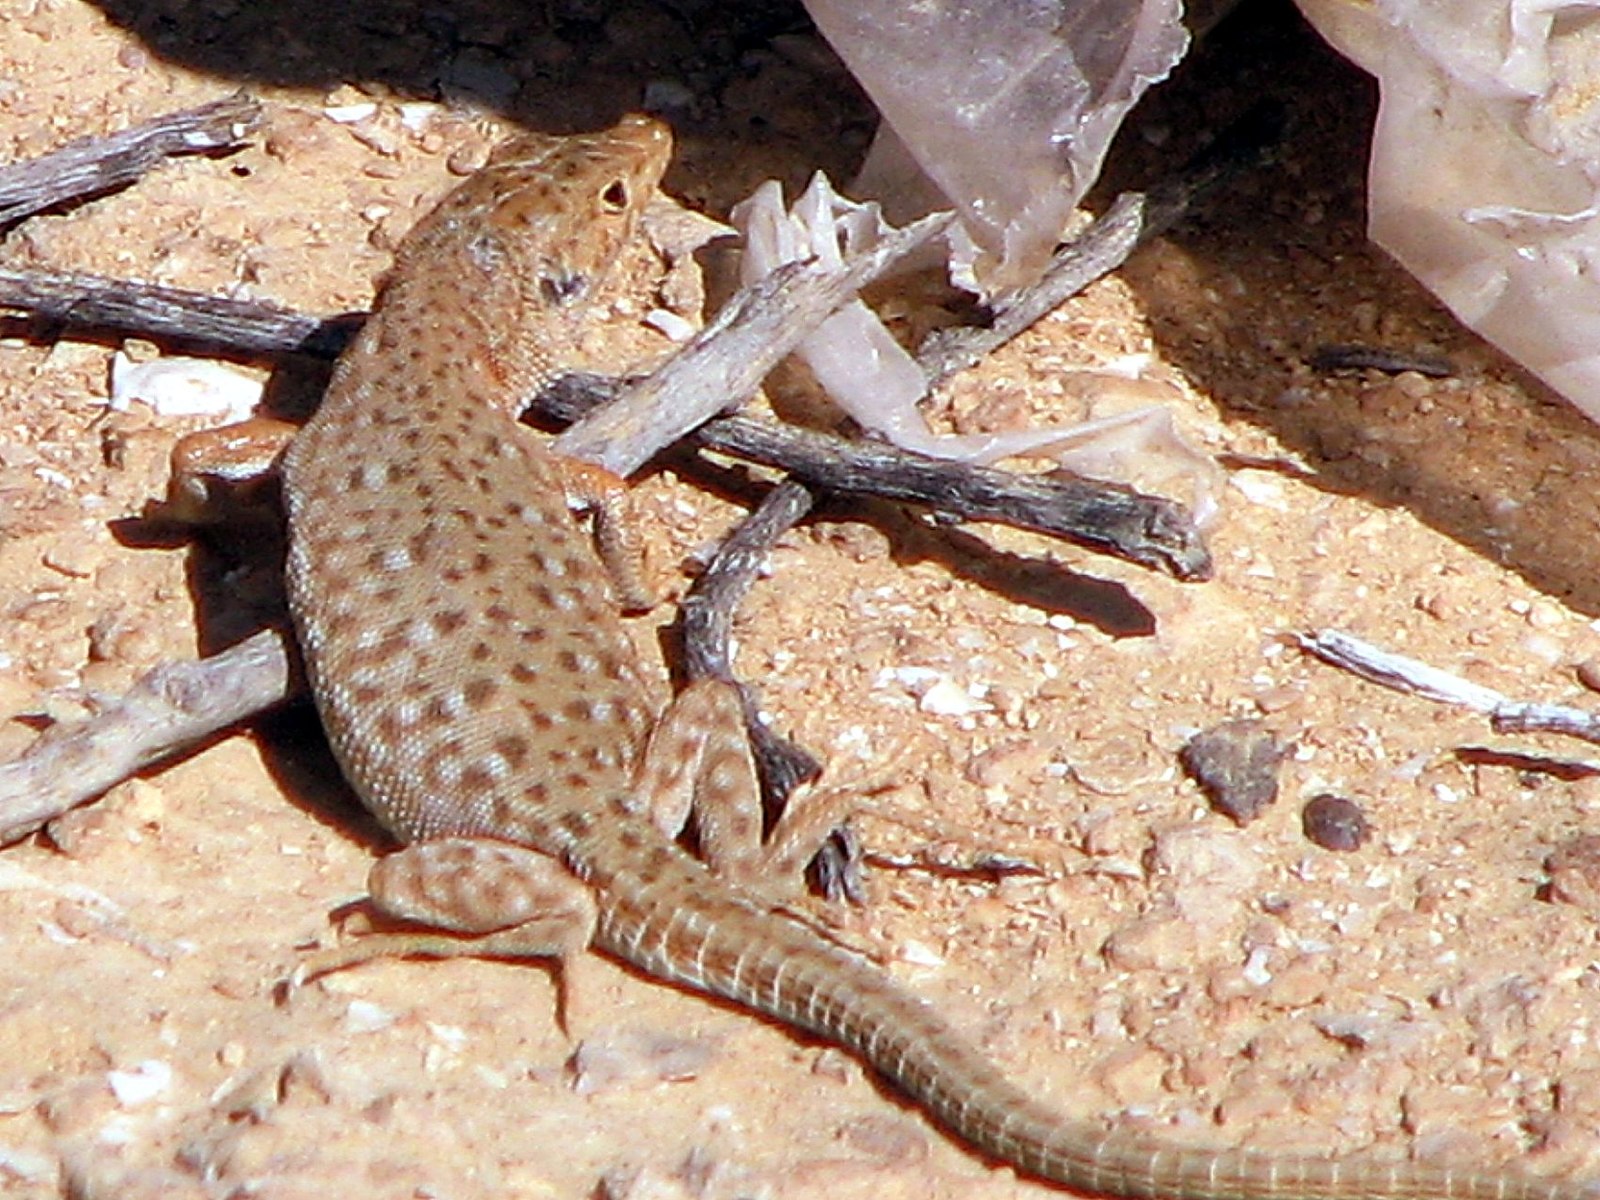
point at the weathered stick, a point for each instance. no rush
(1106, 517)
(93, 165)
(172, 315)
(1415, 678)
(169, 709)
(727, 360)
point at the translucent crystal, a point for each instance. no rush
(1006, 106)
(1485, 178)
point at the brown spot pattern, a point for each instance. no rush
(479, 692)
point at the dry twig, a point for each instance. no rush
(1414, 678)
(93, 165)
(171, 315)
(1109, 518)
(727, 360)
(705, 622)
(169, 709)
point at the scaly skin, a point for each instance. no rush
(475, 681)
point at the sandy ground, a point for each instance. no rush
(1160, 968)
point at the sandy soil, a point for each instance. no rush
(1427, 993)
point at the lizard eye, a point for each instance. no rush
(615, 197)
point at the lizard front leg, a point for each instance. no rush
(225, 475)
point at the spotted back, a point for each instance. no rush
(460, 633)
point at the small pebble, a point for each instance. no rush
(1335, 823)
(1542, 614)
(1236, 765)
(617, 1057)
(886, 1139)
(1574, 868)
(1160, 941)
(142, 1083)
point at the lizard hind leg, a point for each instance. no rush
(471, 897)
(698, 762)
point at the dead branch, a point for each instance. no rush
(172, 315)
(1106, 517)
(93, 165)
(705, 623)
(729, 358)
(169, 709)
(1401, 674)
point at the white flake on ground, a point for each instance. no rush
(142, 1084)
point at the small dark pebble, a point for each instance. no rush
(1236, 765)
(1377, 358)
(1335, 823)
(1574, 868)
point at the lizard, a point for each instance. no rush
(470, 667)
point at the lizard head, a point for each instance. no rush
(552, 215)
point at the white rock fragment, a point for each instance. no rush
(915, 680)
(349, 114)
(936, 693)
(1260, 488)
(363, 1016)
(415, 115)
(670, 324)
(919, 954)
(946, 698)
(1256, 970)
(27, 1166)
(184, 387)
(452, 1037)
(141, 1084)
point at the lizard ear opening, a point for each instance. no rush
(615, 197)
(562, 287)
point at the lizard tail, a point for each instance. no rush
(685, 926)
